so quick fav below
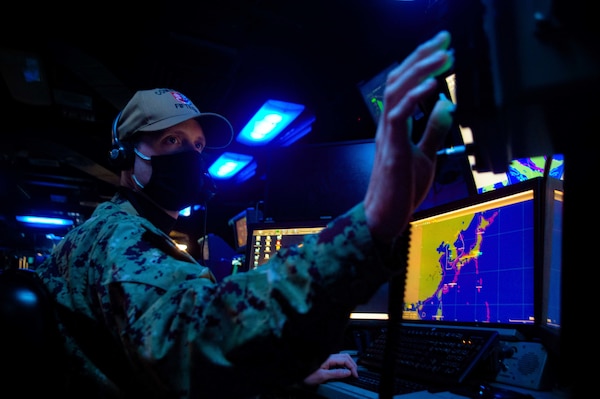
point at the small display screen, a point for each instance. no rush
(241, 231)
(266, 239)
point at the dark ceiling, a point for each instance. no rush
(227, 56)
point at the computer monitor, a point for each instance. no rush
(475, 261)
(240, 231)
(325, 180)
(265, 239)
(239, 224)
(372, 89)
(317, 181)
(517, 170)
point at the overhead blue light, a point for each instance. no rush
(42, 221)
(228, 165)
(297, 132)
(268, 122)
(187, 212)
(247, 172)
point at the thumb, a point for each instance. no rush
(439, 124)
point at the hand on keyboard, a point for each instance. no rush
(337, 366)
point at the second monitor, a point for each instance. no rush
(266, 238)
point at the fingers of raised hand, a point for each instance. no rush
(429, 60)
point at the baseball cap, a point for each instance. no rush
(158, 109)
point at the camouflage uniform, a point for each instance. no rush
(183, 334)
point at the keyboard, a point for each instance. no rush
(425, 358)
(370, 381)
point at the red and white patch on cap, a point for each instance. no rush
(180, 97)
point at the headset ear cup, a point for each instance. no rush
(121, 156)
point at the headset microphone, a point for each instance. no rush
(209, 187)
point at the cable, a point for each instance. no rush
(204, 236)
(395, 307)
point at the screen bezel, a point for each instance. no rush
(549, 333)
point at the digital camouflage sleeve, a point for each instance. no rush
(185, 336)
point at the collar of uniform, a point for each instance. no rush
(147, 209)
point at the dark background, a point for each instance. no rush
(227, 57)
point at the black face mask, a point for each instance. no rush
(179, 180)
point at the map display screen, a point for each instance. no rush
(474, 263)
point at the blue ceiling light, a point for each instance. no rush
(41, 221)
(270, 120)
(246, 173)
(297, 132)
(228, 165)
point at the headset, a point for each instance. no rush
(121, 154)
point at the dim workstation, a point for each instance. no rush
(485, 299)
